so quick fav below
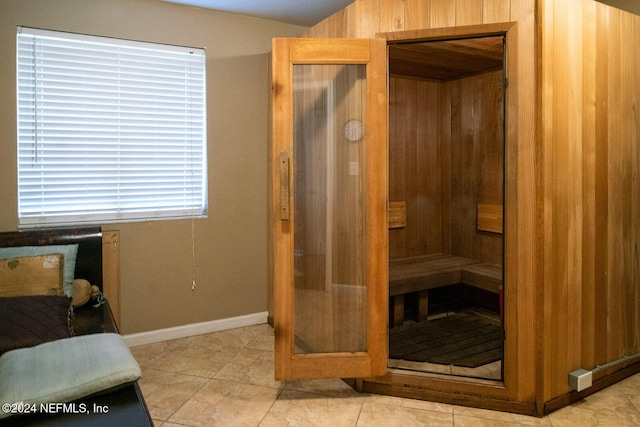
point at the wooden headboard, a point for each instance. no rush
(97, 260)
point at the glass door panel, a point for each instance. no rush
(329, 247)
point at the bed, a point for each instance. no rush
(35, 348)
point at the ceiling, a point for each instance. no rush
(632, 6)
(299, 12)
(309, 12)
(447, 59)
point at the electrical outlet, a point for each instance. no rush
(580, 379)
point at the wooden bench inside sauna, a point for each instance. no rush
(419, 274)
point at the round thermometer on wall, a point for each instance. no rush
(353, 130)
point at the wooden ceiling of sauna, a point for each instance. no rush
(446, 60)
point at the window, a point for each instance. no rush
(109, 129)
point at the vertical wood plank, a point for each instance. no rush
(491, 137)
(469, 12)
(601, 185)
(446, 164)
(392, 15)
(340, 25)
(635, 136)
(589, 247)
(628, 117)
(523, 199)
(574, 115)
(282, 238)
(397, 158)
(430, 174)
(409, 123)
(617, 170)
(495, 11)
(377, 239)
(443, 13)
(461, 117)
(417, 14)
(547, 59)
(367, 19)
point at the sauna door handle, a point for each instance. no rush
(284, 185)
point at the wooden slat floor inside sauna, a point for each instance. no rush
(464, 339)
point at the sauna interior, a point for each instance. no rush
(446, 198)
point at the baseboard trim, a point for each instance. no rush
(598, 384)
(192, 329)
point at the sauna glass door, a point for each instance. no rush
(329, 161)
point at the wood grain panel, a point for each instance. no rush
(411, 166)
(616, 177)
(469, 12)
(635, 136)
(601, 188)
(443, 186)
(367, 18)
(589, 247)
(282, 247)
(392, 15)
(417, 14)
(590, 86)
(495, 11)
(446, 60)
(398, 94)
(443, 13)
(431, 174)
(522, 218)
(630, 125)
(444, 126)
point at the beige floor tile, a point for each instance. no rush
(144, 354)
(468, 421)
(299, 409)
(597, 410)
(629, 386)
(635, 401)
(377, 414)
(264, 340)
(376, 399)
(251, 366)
(198, 360)
(327, 387)
(165, 392)
(226, 403)
(232, 338)
(463, 414)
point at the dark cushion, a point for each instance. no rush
(26, 321)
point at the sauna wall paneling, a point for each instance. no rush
(590, 89)
(437, 157)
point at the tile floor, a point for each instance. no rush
(226, 379)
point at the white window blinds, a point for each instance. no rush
(109, 129)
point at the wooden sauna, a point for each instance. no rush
(545, 196)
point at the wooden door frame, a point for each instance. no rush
(520, 386)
